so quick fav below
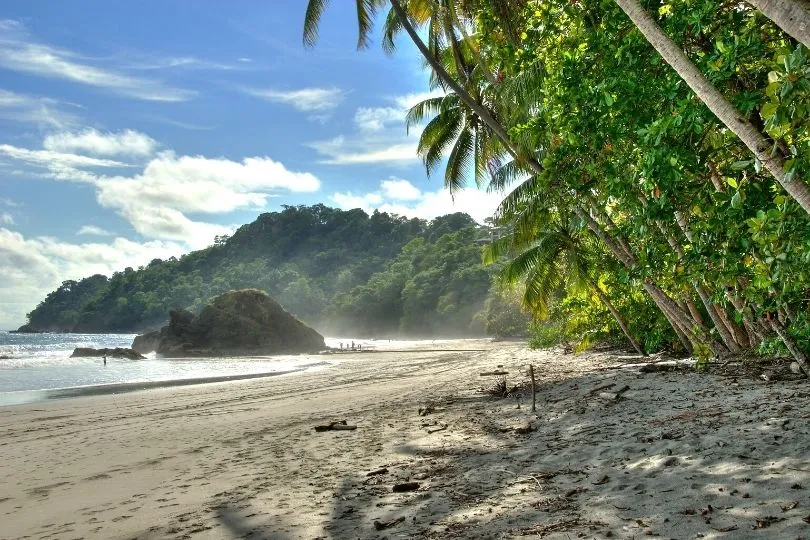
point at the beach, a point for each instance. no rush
(676, 455)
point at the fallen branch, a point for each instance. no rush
(614, 396)
(382, 525)
(493, 373)
(405, 487)
(600, 388)
(336, 426)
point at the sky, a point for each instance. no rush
(138, 130)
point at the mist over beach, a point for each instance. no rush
(480, 269)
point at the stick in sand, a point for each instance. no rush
(531, 374)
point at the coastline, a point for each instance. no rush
(24, 397)
(680, 454)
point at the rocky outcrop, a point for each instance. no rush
(146, 343)
(237, 323)
(118, 352)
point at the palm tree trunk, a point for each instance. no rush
(463, 95)
(793, 347)
(716, 102)
(792, 16)
(616, 315)
(696, 332)
(476, 52)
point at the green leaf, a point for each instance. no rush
(732, 182)
(736, 200)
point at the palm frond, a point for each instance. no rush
(459, 161)
(312, 19)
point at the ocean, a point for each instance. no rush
(37, 367)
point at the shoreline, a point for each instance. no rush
(679, 454)
(25, 397)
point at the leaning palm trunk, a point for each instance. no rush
(793, 347)
(618, 316)
(679, 319)
(792, 16)
(774, 162)
(718, 319)
(462, 93)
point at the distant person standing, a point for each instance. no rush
(105, 359)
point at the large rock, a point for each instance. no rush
(118, 352)
(147, 342)
(237, 323)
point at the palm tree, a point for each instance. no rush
(557, 254)
(773, 160)
(366, 10)
(792, 16)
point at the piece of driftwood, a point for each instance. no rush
(534, 388)
(382, 470)
(600, 388)
(657, 367)
(494, 373)
(405, 487)
(442, 428)
(382, 525)
(614, 396)
(340, 425)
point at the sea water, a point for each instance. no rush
(35, 367)
(39, 366)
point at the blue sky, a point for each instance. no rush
(135, 130)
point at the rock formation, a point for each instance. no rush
(146, 343)
(237, 323)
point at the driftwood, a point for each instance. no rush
(534, 388)
(442, 428)
(405, 487)
(336, 426)
(493, 373)
(382, 525)
(614, 396)
(382, 470)
(600, 388)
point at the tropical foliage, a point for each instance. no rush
(344, 272)
(653, 157)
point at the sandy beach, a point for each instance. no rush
(677, 455)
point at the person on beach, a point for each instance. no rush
(105, 359)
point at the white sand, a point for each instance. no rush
(683, 456)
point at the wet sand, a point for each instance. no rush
(678, 455)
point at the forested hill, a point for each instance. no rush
(340, 271)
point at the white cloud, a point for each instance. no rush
(55, 160)
(400, 190)
(184, 62)
(342, 151)
(381, 136)
(425, 205)
(156, 200)
(91, 141)
(6, 218)
(44, 112)
(92, 230)
(19, 53)
(32, 267)
(303, 99)
(376, 119)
